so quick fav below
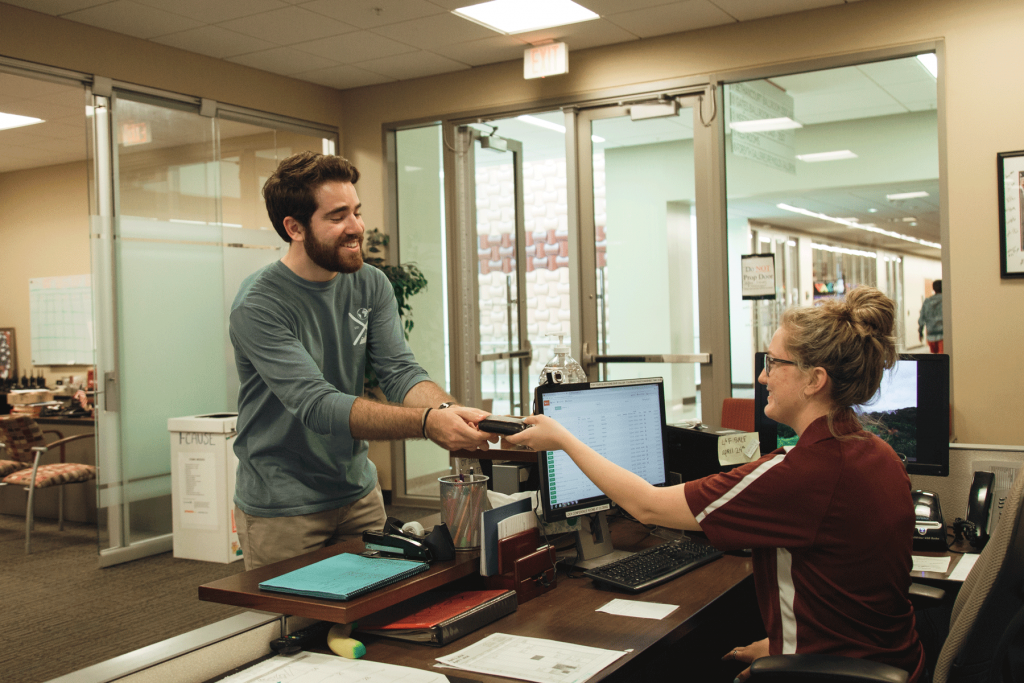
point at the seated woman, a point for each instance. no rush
(830, 521)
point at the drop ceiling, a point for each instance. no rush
(352, 43)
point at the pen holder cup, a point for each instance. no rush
(462, 502)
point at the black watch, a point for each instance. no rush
(448, 404)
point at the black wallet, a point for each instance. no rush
(502, 424)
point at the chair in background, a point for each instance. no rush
(738, 413)
(25, 443)
(985, 642)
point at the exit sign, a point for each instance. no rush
(550, 59)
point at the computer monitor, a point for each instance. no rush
(624, 421)
(912, 407)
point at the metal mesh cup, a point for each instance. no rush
(462, 502)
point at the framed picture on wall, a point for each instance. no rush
(1011, 213)
(8, 354)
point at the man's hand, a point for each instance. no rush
(747, 655)
(455, 429)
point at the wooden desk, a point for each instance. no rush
(566, 613)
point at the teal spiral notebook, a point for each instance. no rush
(344, 576)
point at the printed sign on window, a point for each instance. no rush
(758, 271)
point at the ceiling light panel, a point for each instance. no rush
(762, 125)
(827, 156)
(16, 121)
(520, 16)
(905, 195)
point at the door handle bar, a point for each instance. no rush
(702, 358)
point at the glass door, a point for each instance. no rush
(491, 170)
(638, 256)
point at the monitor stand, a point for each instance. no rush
(594, 543)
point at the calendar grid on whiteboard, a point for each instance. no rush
(61, 312)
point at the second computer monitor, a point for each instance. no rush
(622, 420)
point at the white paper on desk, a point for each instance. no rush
(310, 667)
(638, 608)
(923, 563)
(532, 659)
(963, 567)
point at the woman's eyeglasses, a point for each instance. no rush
(769, 362)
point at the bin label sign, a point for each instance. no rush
(197, 439)
(198, 492)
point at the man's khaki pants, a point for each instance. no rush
(266, 540)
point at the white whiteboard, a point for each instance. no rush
(61, 311)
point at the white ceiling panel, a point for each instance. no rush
(133, 19)
(486, 51)
(674, 18)
(372, 13)
(435, 31)
(343, 77)
(288, 26)
(745, 10)
(350, 48)
(283, 60)
(580, 36)
(897, 72)
(214, 41)
(609, 7)
(412, 65)
(56, 7)
(215, 11)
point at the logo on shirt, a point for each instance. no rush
(362, 321)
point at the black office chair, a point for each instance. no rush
(985, 643)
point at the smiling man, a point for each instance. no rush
(303, 329)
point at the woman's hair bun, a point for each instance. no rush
(870, 311)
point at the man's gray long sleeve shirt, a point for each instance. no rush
(301, 348)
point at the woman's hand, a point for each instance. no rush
(544, 434)
(746, 655)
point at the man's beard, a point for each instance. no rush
(329, 258)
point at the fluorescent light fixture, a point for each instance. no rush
(762, 125)
(541, 123)
(905, 195)
(853, 224)
(519, 16)
(930, 62)
(16, 121)
(827, 156)
(843, 250)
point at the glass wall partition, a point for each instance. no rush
(187, 226)
(842, 163)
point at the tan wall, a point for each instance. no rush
(983, 109)
(44, 232)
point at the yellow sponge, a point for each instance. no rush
(340, 643)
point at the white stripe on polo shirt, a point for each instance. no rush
(787, 596)
(740, 486)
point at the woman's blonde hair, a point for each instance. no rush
(852, 339)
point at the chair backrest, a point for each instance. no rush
(20, 434)
(986, 629)
(738, 413)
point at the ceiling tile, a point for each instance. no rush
(412, 65)
(486, 51)
(582, 35)
(745, 10)
(435, 31)
(674, 18)
(606, 7)
(288, 26)
(830, 80)
(357, 46)
(283, 60)
(214, 41)
(450, 5)
(209, 12)
(343, 77)
(133, 19)
(55, 7)
(897, 71)
(372, 13)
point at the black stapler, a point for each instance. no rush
(392, 540)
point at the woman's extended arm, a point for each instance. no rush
(665, 506)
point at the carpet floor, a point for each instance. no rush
(61, 612)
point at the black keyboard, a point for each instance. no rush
(654, 566)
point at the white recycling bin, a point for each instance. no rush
(203, 466)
